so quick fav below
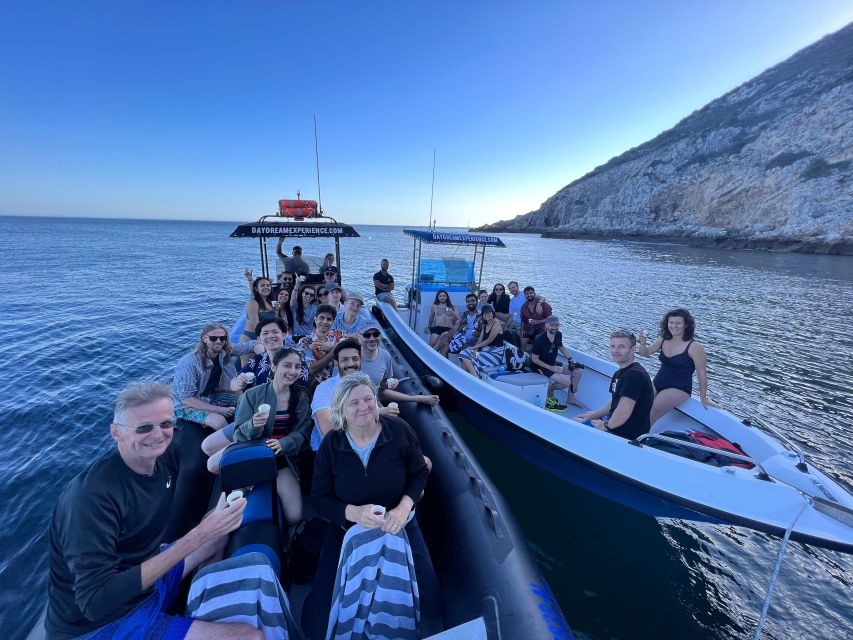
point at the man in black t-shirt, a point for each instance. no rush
(631, 392)
(546, 345)
(383, 283)
(108, 572)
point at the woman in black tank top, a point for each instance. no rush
(680, 355)
(488, 351)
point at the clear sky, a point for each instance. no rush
(189, 109)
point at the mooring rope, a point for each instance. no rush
(780, 555)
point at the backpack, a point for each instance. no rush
(514, 358)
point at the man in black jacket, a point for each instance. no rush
(108, 571)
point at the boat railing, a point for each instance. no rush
(763, 475)
(792, 446)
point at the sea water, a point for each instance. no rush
(88, 305)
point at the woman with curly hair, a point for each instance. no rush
(680, 355)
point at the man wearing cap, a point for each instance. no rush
(350, 318)
(292, 265)
(330, 274)
(383, 284)
(546, 345)
(334, 293)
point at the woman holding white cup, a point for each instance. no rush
(369, 471)
(280, 412)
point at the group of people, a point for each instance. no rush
(491, 321)
(480, 334)
(327, 393)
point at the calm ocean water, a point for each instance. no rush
(88, 305)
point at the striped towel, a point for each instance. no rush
(376, 591)
(242, 589)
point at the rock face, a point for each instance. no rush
(768, 165)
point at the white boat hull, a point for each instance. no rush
(642, 477)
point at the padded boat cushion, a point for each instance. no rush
(245, 464)
(264, 537)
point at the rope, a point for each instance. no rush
(780, 555)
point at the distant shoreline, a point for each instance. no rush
(840, 248)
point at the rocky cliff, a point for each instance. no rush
(768, 165)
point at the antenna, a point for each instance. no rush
(317, 156)
(432, 189)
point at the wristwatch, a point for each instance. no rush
(606, 425)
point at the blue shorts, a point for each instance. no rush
(148, 620)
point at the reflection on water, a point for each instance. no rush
(88, 305)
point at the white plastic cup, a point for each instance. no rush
(378, 510)
(234, 496)
(275, 304)
(392, 383)
(250, 377)
(264, 409)
(393, 405)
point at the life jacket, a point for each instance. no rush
(699, 437)
(707, 440)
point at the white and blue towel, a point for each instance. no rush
(242, 589)
(376, 591)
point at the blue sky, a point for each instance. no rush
(205, 109)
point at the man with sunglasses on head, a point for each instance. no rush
(109, 573)
(377, 363)
(201, 387)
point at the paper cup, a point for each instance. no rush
(234, 496)
(250, 377)
(377, 510)
(264, 408)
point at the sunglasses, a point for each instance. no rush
(217, 338)
(371, 334)
(308, 293)
(148, 428)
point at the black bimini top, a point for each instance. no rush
(460, 238)
(294, 229)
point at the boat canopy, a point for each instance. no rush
(455, 238)
(457, 275)
(298, 227)
(308, 229)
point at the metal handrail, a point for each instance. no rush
(701, 447)
(792, 446)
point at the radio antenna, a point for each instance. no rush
(432, 189)
(317, 156)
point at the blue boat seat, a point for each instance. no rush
(252, 464)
